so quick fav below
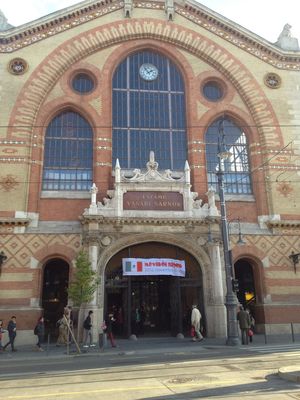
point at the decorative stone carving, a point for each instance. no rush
(152, 195)
(272, 80)
(106, 240)
(8, 183)
(17, 66)
(128, 6)
(285, 40)
(152, 173)
(4, 25)
(170, 10)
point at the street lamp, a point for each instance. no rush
(230, 298)
(3, 258)
(295, 259)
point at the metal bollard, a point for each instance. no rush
(48, 344)
(265, 334)
(292, 330)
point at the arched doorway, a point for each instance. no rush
(153, 305)
(244, 274)
(55, 295)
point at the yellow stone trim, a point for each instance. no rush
(13, 277)
(15, 294)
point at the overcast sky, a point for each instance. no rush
(264, 18)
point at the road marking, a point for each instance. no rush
(275, 349)
(129, 389)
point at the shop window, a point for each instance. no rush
(149, 112)
(68, 155)
(237, 179)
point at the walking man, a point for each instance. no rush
(195, 322)
(244, 322)
(87, 334)
(12, 333)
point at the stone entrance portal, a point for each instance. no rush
(153, 304)
(154, 214)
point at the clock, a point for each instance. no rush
(148, 72)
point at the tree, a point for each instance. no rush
(84, 283)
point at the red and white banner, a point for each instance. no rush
(153, 266)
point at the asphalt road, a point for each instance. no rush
(196, 373)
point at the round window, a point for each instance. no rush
(212, 91)
(83, 83)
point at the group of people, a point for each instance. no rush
(107, 328)
(11, 330)
(12, 333)
(65, 325)
(244, 317)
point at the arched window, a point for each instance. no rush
(68, 156)
(149, 112)
(237, 178)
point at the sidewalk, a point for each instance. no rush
(144, 345)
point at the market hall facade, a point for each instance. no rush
(111, 118)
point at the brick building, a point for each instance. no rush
(111, 114)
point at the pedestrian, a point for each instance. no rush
(63, 331)
(39, 331)
(109, 320)
(119, 321)
(87, 330)
(252, 326)
(2, 330)
(12, 333)
(195, 322)
(244, 322)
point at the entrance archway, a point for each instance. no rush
(55, 295)
(153, 305)
(244, 274)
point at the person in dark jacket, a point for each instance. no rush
(87, 326)
(12, 333)
(40, 332)
(109, 320)
(244, 321)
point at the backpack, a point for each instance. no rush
(35, 331)
(86, 324)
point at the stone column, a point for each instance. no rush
(217, 311)
(93, 305)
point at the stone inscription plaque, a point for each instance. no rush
(166, 201)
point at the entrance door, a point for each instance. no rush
(55, 295)
(150, 305)
(154, 305)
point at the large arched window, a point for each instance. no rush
(68, 157)
(149, 112)
(237, 178)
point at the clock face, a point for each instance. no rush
(149, 72)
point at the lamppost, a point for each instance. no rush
(230, 298)
(3, 258)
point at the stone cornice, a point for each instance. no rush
(118, 222)
(56, 23)
(14, 221)
(284, 224)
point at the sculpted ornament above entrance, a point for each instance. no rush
(152, 194)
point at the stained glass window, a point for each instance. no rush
(68, 155)
(149, 112)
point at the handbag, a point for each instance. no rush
(250, 332)
(192, 331)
